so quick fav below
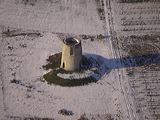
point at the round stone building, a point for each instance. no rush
(71, 54)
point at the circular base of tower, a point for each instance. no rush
(53, 77)
(91, 71)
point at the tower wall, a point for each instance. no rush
(71, 56)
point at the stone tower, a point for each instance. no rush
(71, 54)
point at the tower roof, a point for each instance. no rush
(71, 41)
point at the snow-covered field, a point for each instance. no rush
(22, 58)
(64, 16)
(122, 93)
(137, 33)
(32, 97)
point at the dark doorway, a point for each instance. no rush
(63, 65)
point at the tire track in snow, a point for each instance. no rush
(116, 54)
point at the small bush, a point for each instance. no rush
(83, 117)
(65, 112)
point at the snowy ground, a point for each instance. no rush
(31, 97)
(122, 93)
(78, 17)
(137, 33)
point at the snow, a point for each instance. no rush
(31, 97)
(78, 17)
(77, 75)
(114, 94)
(138, 94)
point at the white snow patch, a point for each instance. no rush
(85, 74)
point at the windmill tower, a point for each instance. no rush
(71, 54)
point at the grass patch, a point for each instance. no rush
(54, 63)
(52, 78)
(28, 118)
(14, 33)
